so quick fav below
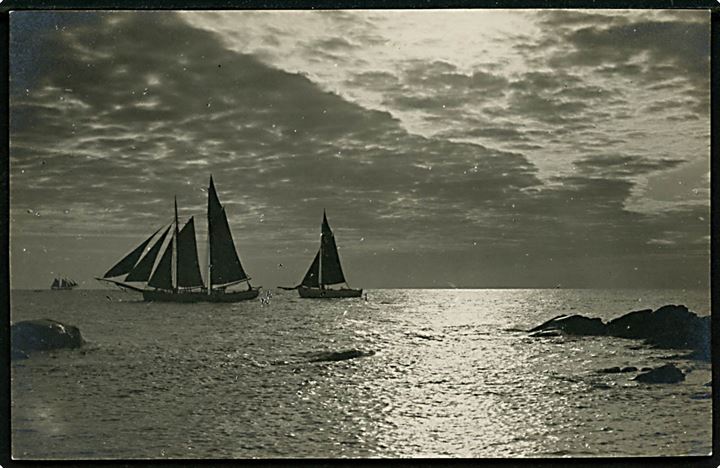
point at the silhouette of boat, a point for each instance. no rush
(177, 277)
(325, 270)
(62, 284)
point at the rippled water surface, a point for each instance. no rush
(452, 374)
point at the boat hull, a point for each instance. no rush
(198, 296)
(317, 293)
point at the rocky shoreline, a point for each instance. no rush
(669, 327)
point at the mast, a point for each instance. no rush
(175, 248)
(209, 244)
(320, 266)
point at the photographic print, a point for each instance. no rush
(359, 233)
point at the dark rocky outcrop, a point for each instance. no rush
(665, 374)
(571, 325)
(579, 325)
(670, 326)
(326, 356)
(631, 325)
(42, 335)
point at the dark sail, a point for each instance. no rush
(162, 277)
(142, 270)
(55, 283)
(225, 265)
(188, 267)
(331, 271)
(311, 277)
(128, 262)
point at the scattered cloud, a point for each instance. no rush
(495, 156)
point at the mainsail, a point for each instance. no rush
(225, 266)
(325, 268)
(330, 269)
(188, 267)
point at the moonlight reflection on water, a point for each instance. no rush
(443, 373)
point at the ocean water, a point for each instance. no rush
(448, 373)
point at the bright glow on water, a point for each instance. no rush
(453, 374)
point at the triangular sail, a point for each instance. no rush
(225, 266)
(311, 277)
(142, 270)
(331, 271)
(125, 265)
(188, 267)
(55, 283)
(162, 276)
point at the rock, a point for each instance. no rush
(670, 326)
(340, 355)
(574, 325)
(545, 325)
(631, 325)
(43, 335)
(664, 374)
(676, 327)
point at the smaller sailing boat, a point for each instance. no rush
(62, 284)
(326, 270)
(177, 277)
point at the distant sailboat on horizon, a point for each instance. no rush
(177, 276)
(62, 284)
(325, 270)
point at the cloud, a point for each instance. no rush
(106, 129)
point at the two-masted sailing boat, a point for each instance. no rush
(62, 284)
(325, 270)
(177, 277)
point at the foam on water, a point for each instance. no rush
(408, 373)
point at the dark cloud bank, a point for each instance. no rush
(118, 112)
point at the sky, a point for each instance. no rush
(450, 148)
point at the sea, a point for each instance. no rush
(399, 373)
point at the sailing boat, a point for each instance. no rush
(62, 284)
(325, 270)
(177, 277)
